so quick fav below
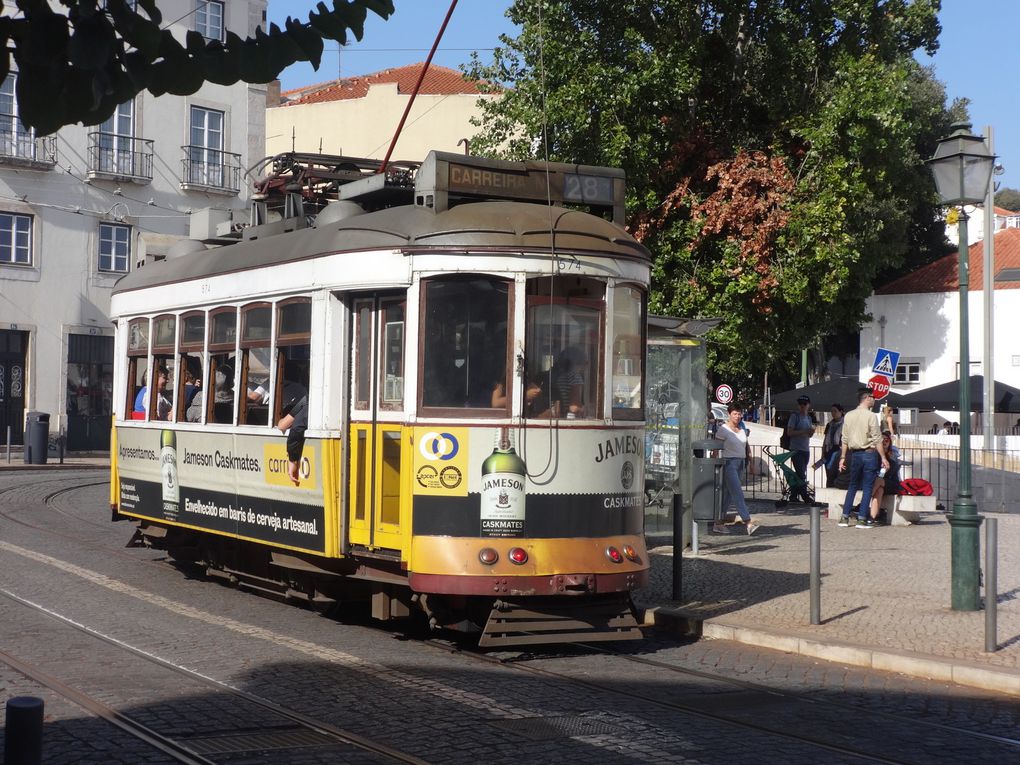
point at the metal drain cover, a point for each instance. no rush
(252, 742)
(544, 728)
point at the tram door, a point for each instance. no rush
(377, 502)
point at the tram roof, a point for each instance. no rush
(477, 226)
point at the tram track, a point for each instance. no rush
(48, 500)
(828, 716)
(277, 726)
(841, 707)
(754, 696)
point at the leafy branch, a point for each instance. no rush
(78, 66)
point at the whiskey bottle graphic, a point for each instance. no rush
(503, 476)
(168, 469)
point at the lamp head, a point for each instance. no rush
(962, 167)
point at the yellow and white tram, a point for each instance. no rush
(469, 337)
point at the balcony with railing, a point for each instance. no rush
(210, 170)
(24, 149)
(114, 157)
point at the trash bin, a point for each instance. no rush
(37, 436)
(707, 480)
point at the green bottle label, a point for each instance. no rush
(503, 479)
(168, 470)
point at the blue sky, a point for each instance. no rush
(978, 48)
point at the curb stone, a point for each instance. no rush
(922, 666)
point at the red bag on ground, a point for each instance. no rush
(916, 486)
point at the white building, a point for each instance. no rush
(358, 116)
(918, 315)
(1001, 219)
(80, 208)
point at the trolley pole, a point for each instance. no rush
(816, 565)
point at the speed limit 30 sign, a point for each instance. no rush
(724, 394)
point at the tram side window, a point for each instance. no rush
(294, 327)
(464, 342)
(158, 397)
(222, 340)
(628, 343)
(564, 326)
(138, 365)
(191, 363)
(256, 328)
(391, 354)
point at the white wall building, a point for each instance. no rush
(1001, 219)
(918, 315)
(80, 208)
(357, 116)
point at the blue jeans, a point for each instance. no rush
(800, 462)
(732, 471)
(863, 471)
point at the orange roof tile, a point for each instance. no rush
(439, 80)
(943, 274)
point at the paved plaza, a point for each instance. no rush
(885, 595)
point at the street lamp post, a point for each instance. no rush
(962, 167)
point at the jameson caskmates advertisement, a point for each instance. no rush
(234, 484)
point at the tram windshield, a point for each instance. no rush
(563, 345)
(464, 342)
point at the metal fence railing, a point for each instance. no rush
(995, 475)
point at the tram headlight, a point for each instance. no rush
(518, 555)
(488, 556)
(614, 555)
(630, 552)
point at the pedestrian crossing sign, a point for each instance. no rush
(885, 362)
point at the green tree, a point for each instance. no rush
(1008, 199)
(79, 65)
(774, 150)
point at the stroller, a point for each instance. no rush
(789, 482)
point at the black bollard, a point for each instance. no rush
(23, 739)
(678, 546)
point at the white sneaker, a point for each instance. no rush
(752, 527)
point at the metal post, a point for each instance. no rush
(8, 444)
(816, 565)
(678, 546)
(24, 728)
(988, 290)
(964, 519)
(991, 584)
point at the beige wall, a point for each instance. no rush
(364, 127)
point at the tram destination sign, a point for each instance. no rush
(445, 174)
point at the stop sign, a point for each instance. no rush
(879, 385)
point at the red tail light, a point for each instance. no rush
(614, 555)
(518, 555)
